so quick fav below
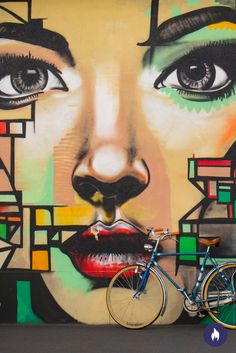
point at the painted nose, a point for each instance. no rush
(108, 177)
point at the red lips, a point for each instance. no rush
(104, 265)
(109, 231)
(103, 254)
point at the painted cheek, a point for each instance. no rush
(228, 134)
(170, 123)
(55, 117)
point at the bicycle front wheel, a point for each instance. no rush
(139, 311)
(220, 296)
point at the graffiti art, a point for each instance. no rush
(114, 116)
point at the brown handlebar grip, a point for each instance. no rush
(174, 233)
(159, 230)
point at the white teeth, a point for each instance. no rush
(119, 259)
(104, 258)
(107, 258)
(130, 258)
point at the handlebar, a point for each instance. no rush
(157, 230)
(161, 234)
(174, 233)
(162, 231)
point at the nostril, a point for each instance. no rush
(86, 190)
(96, 191)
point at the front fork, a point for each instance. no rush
(144, 275)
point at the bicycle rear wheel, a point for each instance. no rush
(220, 297)
(130, 312)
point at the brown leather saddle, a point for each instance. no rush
(210, 241)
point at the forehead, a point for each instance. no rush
(113, 25)
(107, 27)
(74, 14)
(96, 29)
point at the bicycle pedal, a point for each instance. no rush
(201, 315)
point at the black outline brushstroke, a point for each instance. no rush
(34, 33)
(177, 27)
(29, 9)
(205, 203)
(13, 14)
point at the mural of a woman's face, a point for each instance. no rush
(115, 123)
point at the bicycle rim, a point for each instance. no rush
(221, 296)
(130, 312)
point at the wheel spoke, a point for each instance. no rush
(215, 286)
(133, 312)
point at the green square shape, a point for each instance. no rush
(224, 196)
(191, 173)
(3, 231)
(25, 312)
(225, 187)
(186, 227)
(188, 244)
(40, 237)
(8, 198)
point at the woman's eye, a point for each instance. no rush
(196, 76)
(205, 74)
(22, 79)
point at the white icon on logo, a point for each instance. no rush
(215, 335)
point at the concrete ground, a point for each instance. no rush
(108, 339)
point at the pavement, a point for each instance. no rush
(108, 339)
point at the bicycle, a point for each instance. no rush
(137, 294)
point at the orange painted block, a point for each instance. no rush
(23, 113)
(214, 172)
(14, 219)
(70, 215)
(43, 218)
(5, 184)
(40, 260)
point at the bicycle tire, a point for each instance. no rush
(130, 312)
(223, 313)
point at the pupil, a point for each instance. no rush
(30, 76)
(196, 75)
(196, 72)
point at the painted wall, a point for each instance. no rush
(114, 116)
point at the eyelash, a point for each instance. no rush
(209, 52)
(13, 58)
(11, 64)
(223, 94)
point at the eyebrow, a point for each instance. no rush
(189, 22)
(33, 33)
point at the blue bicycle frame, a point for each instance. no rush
(193, 296)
